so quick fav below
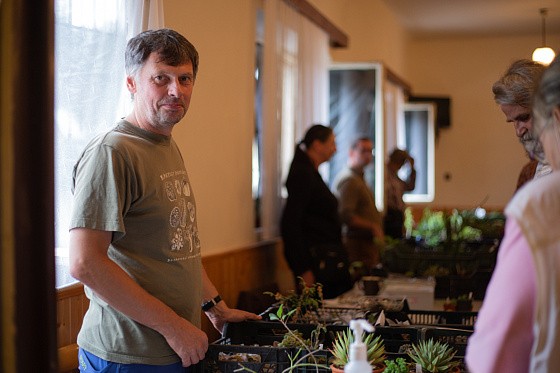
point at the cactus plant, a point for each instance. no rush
(434, 356)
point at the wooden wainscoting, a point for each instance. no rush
(72, 305)
(232, 272)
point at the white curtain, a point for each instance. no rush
(394, 99)
(314, 82)
(295, 95)
(90, 91)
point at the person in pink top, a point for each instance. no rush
(503, 338)
(517, 329)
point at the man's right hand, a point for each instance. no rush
(90, 264)
(189, 342)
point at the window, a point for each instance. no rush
(292, 66)
(417, 136)
(363, 101)
(289, 104)
(354, 110)
(256, 150)
(90, 91)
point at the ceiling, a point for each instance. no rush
(427, 18)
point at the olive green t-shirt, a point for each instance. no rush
(134, 183)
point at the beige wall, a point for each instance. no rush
(374, 32)
(479, 151)
(215, 136)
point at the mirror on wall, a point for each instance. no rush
(354, 111)
(417, 135)
(365, 100)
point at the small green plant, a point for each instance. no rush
(433, 356)
(431, 228)
(294, 338)
(439, 228)
(341, 348)
(396, 366)
(301, 307)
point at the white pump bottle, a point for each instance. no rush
(358, 362)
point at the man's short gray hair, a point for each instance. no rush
(173, 49)
(517, 85)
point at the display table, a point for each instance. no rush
(418, 292)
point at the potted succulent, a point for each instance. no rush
(399, 365)
(434, 357)
(341, 348)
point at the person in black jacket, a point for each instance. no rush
(310, 225)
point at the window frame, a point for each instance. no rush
(71, 128)
(379, 130)
(428, 172)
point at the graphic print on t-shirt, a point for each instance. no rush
(182, 217)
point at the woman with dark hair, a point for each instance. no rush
(310, 224)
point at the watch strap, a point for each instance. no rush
(206, 306)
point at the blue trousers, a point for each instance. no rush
(90, 363)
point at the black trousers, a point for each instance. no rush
(331, 269)
(393, 223)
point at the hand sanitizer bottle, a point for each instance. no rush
(358, 362)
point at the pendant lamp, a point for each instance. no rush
(544, 54)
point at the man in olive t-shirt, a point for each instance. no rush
(134, 239)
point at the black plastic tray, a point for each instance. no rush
(456, 319)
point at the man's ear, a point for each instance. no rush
(131, 84)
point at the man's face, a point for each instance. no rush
(362, 154)
(162, 94)
(522, 123)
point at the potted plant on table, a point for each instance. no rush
(341, 350)
(434, 357)
(295, 339)
(399, 365)
(301, 307)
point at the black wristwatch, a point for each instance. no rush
(206, 306)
